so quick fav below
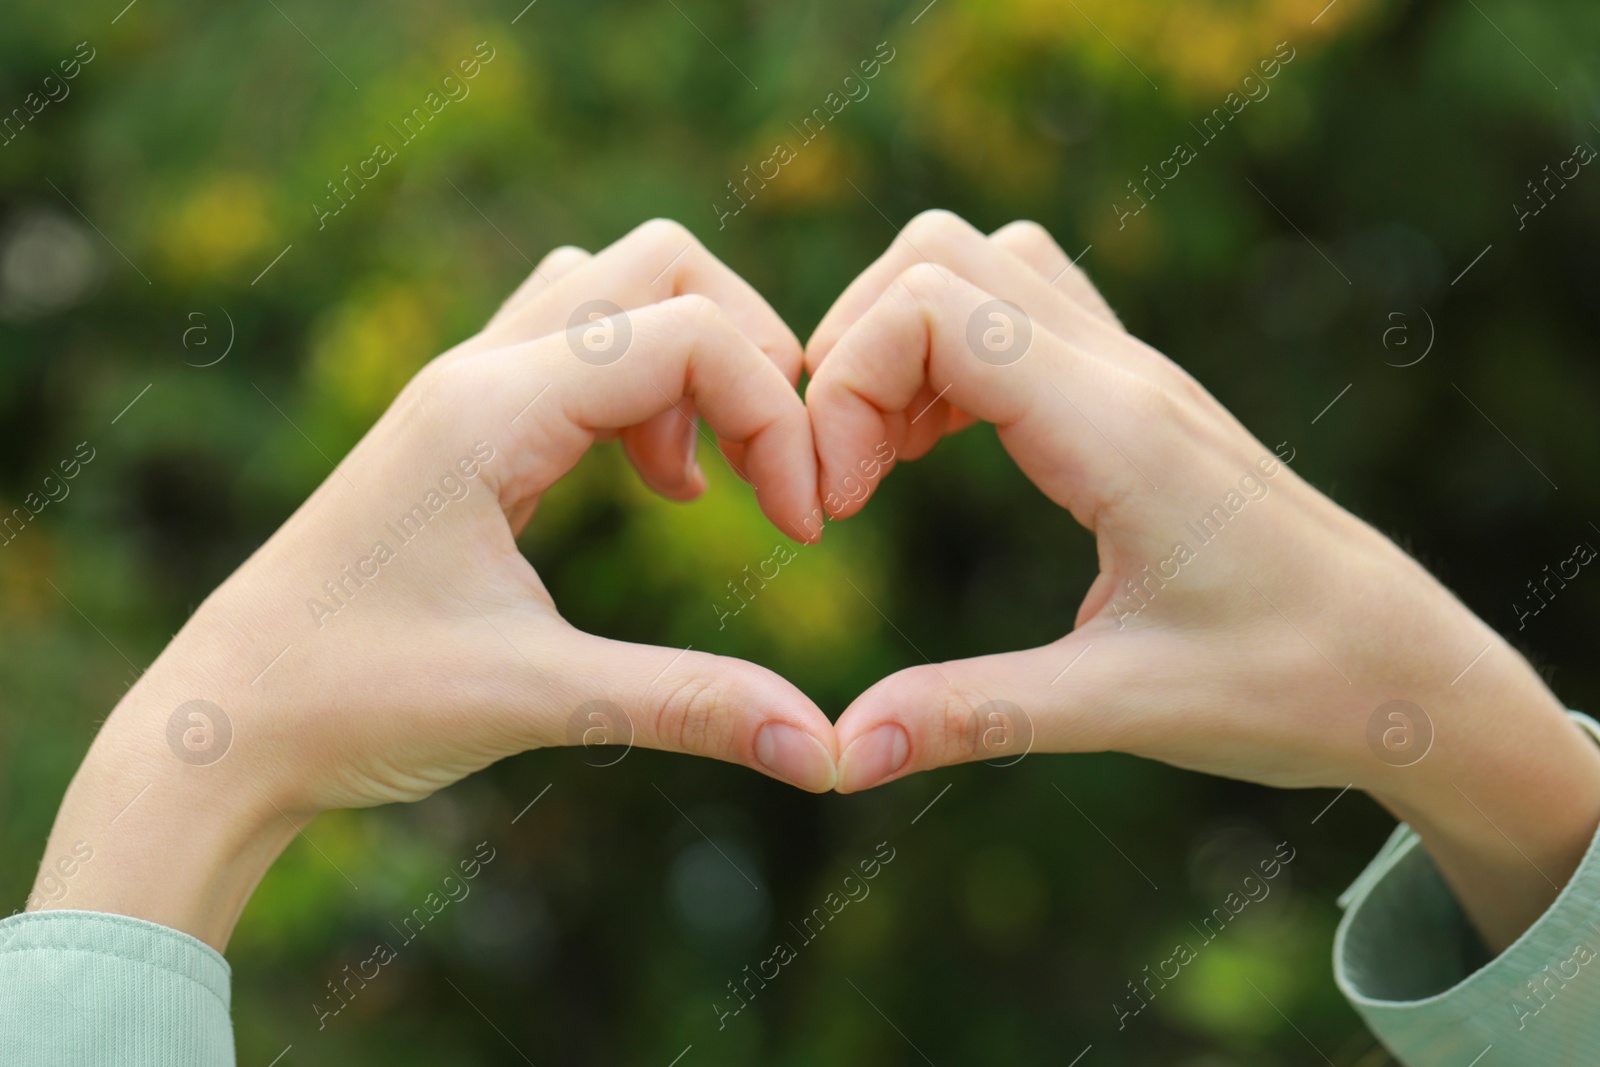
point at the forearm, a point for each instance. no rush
(1507, 802)
(178, 842)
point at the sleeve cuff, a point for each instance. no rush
(1407, 959)
(88, 989)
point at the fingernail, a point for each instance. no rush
(796, 757)
(873, 757)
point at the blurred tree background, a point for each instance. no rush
(160, 207)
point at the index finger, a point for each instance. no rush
(955, 247)
(655, 261)
(1069, 417)
(547, 400)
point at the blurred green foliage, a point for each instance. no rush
(189, 152)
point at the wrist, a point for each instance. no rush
(1507, 802)
(178, 829)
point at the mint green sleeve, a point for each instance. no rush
(84, 989)
(1408, 960)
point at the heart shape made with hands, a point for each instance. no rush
(926, 341)
(948, 327)
(466, 660)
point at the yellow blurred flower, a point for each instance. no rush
(505, 86)
(28, 559)
(368, 347)
(815, 176)
(216, 226)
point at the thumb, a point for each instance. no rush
(696, 703)
(1061, 697)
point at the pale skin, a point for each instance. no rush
(1263, 659)
(1267, 654)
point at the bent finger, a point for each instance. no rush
(1068, 417)
(556, 264)
(1033, 244)
(663, 450)
(955, 249)
(655, 261)
(549, 399)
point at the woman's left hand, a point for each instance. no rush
(391, 638)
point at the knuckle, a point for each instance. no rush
(938, 228)
(661, 233)
(698, 304)
(939, 234)
(1027, 232)
(697, 312)
(950, 732)
(1173, 408)
(1192, 390)
(959, 727)
(563, 255)
(1032, 240)
(691, 717)
(1153, 405)
(919, 281)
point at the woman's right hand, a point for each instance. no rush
(1242, 623)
